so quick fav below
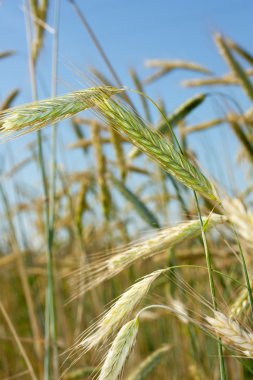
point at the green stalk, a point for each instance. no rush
(209, 269)
(207, 253)
(52, 303)
(212, 286)
(32, 64)
(50, 316)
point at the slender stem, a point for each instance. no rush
(18, 342)
(207, 254)
(212, 286)
(154, 306)
(32, 64)
(51, 287)
(23, 274)
(50, 315)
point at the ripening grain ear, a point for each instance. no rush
(166, 66)
(155, 146)
(175, 117)
(119, 351)
(117, 315)
(31, 117)
(109, 264)
(232, 333)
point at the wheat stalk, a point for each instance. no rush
(103, 268)
(175, 64)
(237, 69)
(240, 304)
(34, 116)
(232, 333)
(39, 18)
(202, 126)
(86, 143)
(100, 158)
(166, 66)
(174, 118)
(155, 146)
(116, 141)
(226, 80)
(241, 217)
(119, 351)
(118, 313)
(81, 206)
(238, 49)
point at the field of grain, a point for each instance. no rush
(123, 255)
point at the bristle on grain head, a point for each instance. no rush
(34, 116)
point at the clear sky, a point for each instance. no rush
(130, 32)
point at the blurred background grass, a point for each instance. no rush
(93, 213)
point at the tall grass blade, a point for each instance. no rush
(139, 206)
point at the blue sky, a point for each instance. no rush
(130, 32)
